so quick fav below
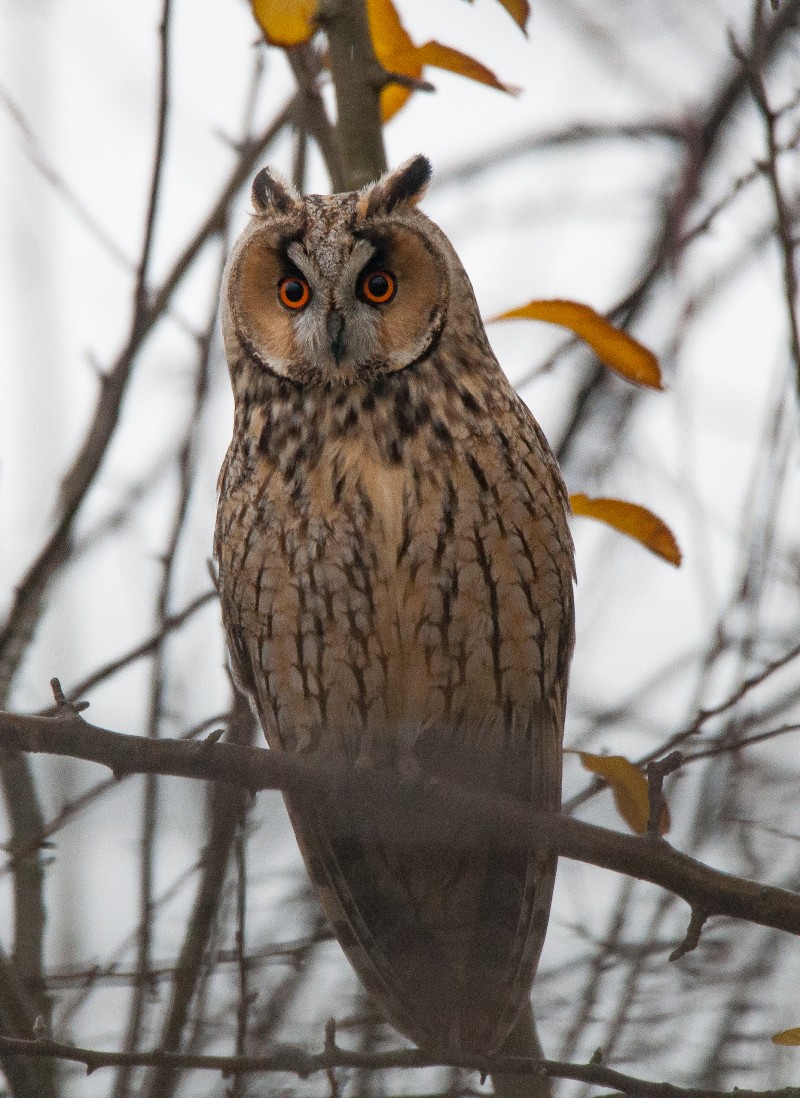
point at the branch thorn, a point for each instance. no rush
(692, 938)
(330, 1037)
(656, 772)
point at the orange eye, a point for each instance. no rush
(294, 293)
(378, 287)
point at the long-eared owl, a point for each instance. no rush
(396, 581)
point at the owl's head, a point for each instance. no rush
(334, 289)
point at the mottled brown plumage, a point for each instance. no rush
(396, 580)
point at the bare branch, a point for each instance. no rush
(704, 715)
(656, 772)
(358, 79)
(26, 607)
(373, 804)
(753, 65)
(150, 807)
(60, 185)
(18, 1016)
(225, 816)
(311, 115)
(146, 648)
(692, 939)
(297, 1061)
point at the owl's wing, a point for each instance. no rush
(446, 941)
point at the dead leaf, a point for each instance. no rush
(285, 22)
(520, 12)
(289, 23)
(397, 52)
(786, 1037)
(632, 519)
(615, 348)
(629, 788)
(445, 57)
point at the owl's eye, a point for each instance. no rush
(378, 287)
(294, 292)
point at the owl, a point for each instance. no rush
(396, 581)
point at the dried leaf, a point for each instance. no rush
(786, 1037)
(632, 519)
(445, 57)
(519, 10)
(615, 348)
(629, 787)
(291, 22)
(285, 22)
(395, 96)
(397, 52)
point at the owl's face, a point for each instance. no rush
(331, 290)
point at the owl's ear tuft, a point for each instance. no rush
(404, 186)
(269, 193)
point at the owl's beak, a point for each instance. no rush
(336, 333)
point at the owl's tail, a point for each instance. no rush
(523, 1041)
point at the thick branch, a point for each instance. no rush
(296, 1061)
(374, 804)
(358, 79)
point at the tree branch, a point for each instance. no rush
(375, 805)
(26, 607)
(297, 1061)
(311, 114)
(225, 813)
(358, 79)
(784, 231)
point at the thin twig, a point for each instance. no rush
(656, 772)
(26, 606)
(285, 953)
(311, 114)
(79, 804)
(224, 816)
(60, 185)
(146, 648)
(150, 807)
(692, 729)
(753, 66)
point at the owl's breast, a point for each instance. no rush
(382, 597)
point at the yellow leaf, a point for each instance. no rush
(519, 10)
(631, 519)
(786, 1037)
(390, 39)
(397, 52)
(629, 787)
(445, 57)
(616, 349)
(285, 22)
(394, 97)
